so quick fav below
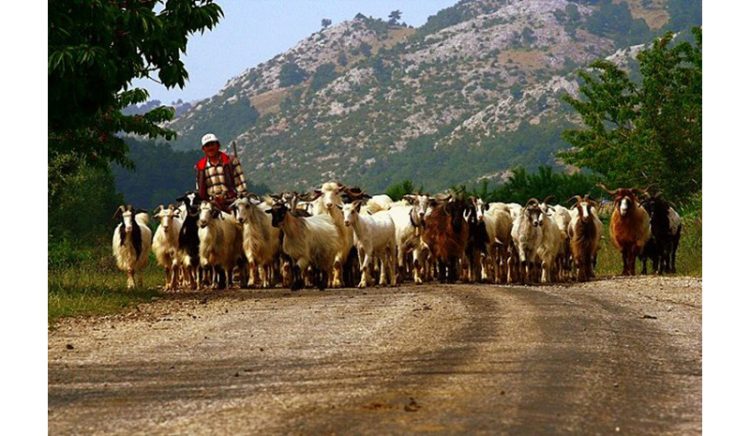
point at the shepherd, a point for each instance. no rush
(219, 178)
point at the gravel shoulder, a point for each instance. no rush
(617, 354)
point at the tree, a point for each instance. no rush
(648, 133)
(342, 60)
(397, 190)
(323, 75)
(365, 49)
(95, 50)
(394, 17)
(291, 74)
(325, 22)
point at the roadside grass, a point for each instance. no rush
(90, 284)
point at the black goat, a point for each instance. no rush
(188, 242)
(666, 227)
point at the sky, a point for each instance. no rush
(254, 31)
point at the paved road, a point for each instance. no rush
(613, 355)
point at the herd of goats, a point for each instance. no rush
(338, 236)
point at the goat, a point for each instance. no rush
(537, 240)
(666, 227)
(477, 244)
(166, 243)
(220, 242)
(375, 237)
(561, 217)
(131, 242)
(261, 241)
(584, 232)
(378, 203)
(329, 196)
(310, 241)
(188, 243)
(498, 223)
(628, 227)
(408, 219)
(446, 232)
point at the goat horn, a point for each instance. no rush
(577, 198)
(609, 191)
(548, 198)
(532, 201)
(119, 210)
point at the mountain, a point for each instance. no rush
(469, 95)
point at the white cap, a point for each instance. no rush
(208, 137)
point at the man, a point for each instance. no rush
(219, 178)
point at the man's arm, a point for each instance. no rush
(200, 184)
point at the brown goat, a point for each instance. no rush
(584, 231)
(446, 232)
(629, 226)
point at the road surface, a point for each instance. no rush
(614, 355)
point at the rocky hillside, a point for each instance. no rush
(469, 95)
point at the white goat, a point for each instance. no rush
(328, 198)
(537, 240)
(310, 241)
(375, 237)
(408, 219)
(131, 242)
(166, 243)
(261, 241)
(560, 216)
(378, 203)
(220, 241)
(498, 222)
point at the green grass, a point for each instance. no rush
(92, 285)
